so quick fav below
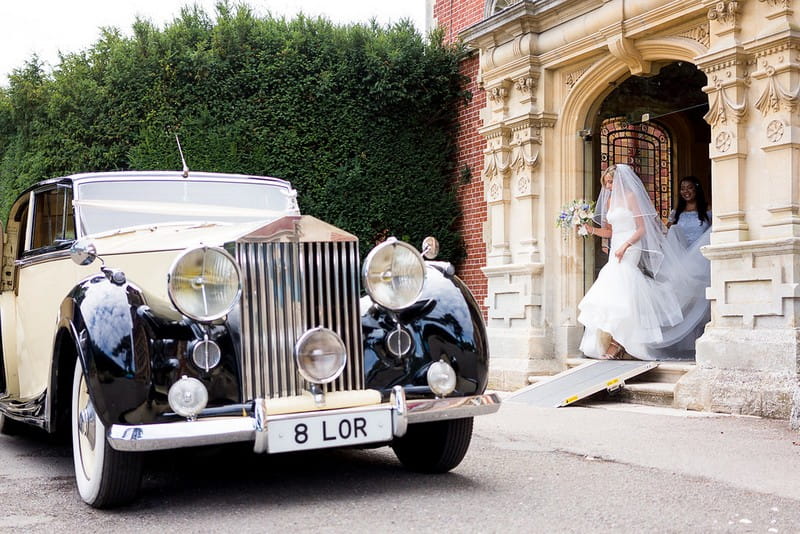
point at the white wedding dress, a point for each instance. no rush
(624, 303)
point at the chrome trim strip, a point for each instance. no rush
(427, 410)
(357, 345)
(213, 431)
(399, 412)
(44, 257)
(260, 444)
(181, 434)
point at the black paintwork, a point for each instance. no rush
(131, 356)
(446, 323)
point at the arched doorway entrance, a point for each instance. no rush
(656, 125)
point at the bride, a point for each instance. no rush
(638, 293)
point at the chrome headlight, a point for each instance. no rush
(320, 355)
(204, 283)
(393, 274)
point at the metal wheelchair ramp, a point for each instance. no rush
(579, 382)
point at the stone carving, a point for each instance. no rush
(572, 78)
(777, 3)
(495, 191)
(524, 185)
(496, 164)
(525, 84)
(698, 33)
(774, 95)
(775, 131)
(625, 50)
(724, 12)
(724, 141)
(497, 94)
(721, 106)
(520, 160)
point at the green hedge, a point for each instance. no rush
(360, 118)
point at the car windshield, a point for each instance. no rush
(109, 205)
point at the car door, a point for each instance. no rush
(44, 276)
(13, 245)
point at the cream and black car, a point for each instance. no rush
(157, 310)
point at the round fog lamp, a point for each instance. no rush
(320, 355)
(206, 354)
(187, 397)
(441, 378)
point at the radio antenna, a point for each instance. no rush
(180, 150)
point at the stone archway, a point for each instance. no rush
(588, 89)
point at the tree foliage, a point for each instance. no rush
(360, 118)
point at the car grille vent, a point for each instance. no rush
(288, 288)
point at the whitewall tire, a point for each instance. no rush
(105, 477)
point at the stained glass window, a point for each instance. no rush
(648, 149)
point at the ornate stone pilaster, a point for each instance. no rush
(526, 146)
(520, 340)
(778, 89)
(496, 176)
(726, 67)
(727, 93)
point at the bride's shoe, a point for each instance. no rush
(615, 351)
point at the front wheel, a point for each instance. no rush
(105, 477)
(435, 447)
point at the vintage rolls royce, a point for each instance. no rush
(157, 310)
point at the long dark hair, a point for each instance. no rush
(699, 199)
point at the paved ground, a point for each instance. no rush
(597, 468)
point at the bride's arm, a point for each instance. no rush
(604, 231)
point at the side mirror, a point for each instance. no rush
(83, 251)
(430, 248)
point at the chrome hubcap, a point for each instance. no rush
(86, 424)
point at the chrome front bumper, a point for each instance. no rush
(219, 430)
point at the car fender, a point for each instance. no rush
(111, 344)
(444, 323)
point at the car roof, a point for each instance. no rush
(134, 176)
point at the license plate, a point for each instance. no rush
(329, 430)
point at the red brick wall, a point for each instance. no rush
(470, 195)
(454, 16)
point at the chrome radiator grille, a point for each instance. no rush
(288, 288)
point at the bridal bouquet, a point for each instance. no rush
(575, 214)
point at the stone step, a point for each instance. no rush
(653, 388)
